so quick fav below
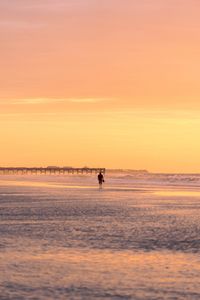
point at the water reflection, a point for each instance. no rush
(178, 193)
(102, 274)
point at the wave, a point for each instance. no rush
(161, 179)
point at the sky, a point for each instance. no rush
(102, 83)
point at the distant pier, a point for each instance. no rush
(50, 171)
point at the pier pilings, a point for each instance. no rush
(49, 171)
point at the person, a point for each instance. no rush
(100, 179)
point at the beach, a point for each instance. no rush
(64, 238)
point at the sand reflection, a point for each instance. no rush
(124, 273)
(178, 193)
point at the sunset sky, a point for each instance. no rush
(111, 83)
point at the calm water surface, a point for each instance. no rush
(63, 238)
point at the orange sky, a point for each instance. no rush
(101, 83)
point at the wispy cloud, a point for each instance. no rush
(88, 100)
(44, 5)
(19, 24)
(38, 101)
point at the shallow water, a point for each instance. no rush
(63, 238)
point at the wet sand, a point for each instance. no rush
(66, 239)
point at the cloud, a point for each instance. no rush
(19, 24)
(44, 5)
(88, 100)
(38, 101)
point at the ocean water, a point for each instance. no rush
(61, 237)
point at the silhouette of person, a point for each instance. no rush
(100, 179)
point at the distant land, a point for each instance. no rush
(127, 171)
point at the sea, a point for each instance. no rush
(62, 237)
